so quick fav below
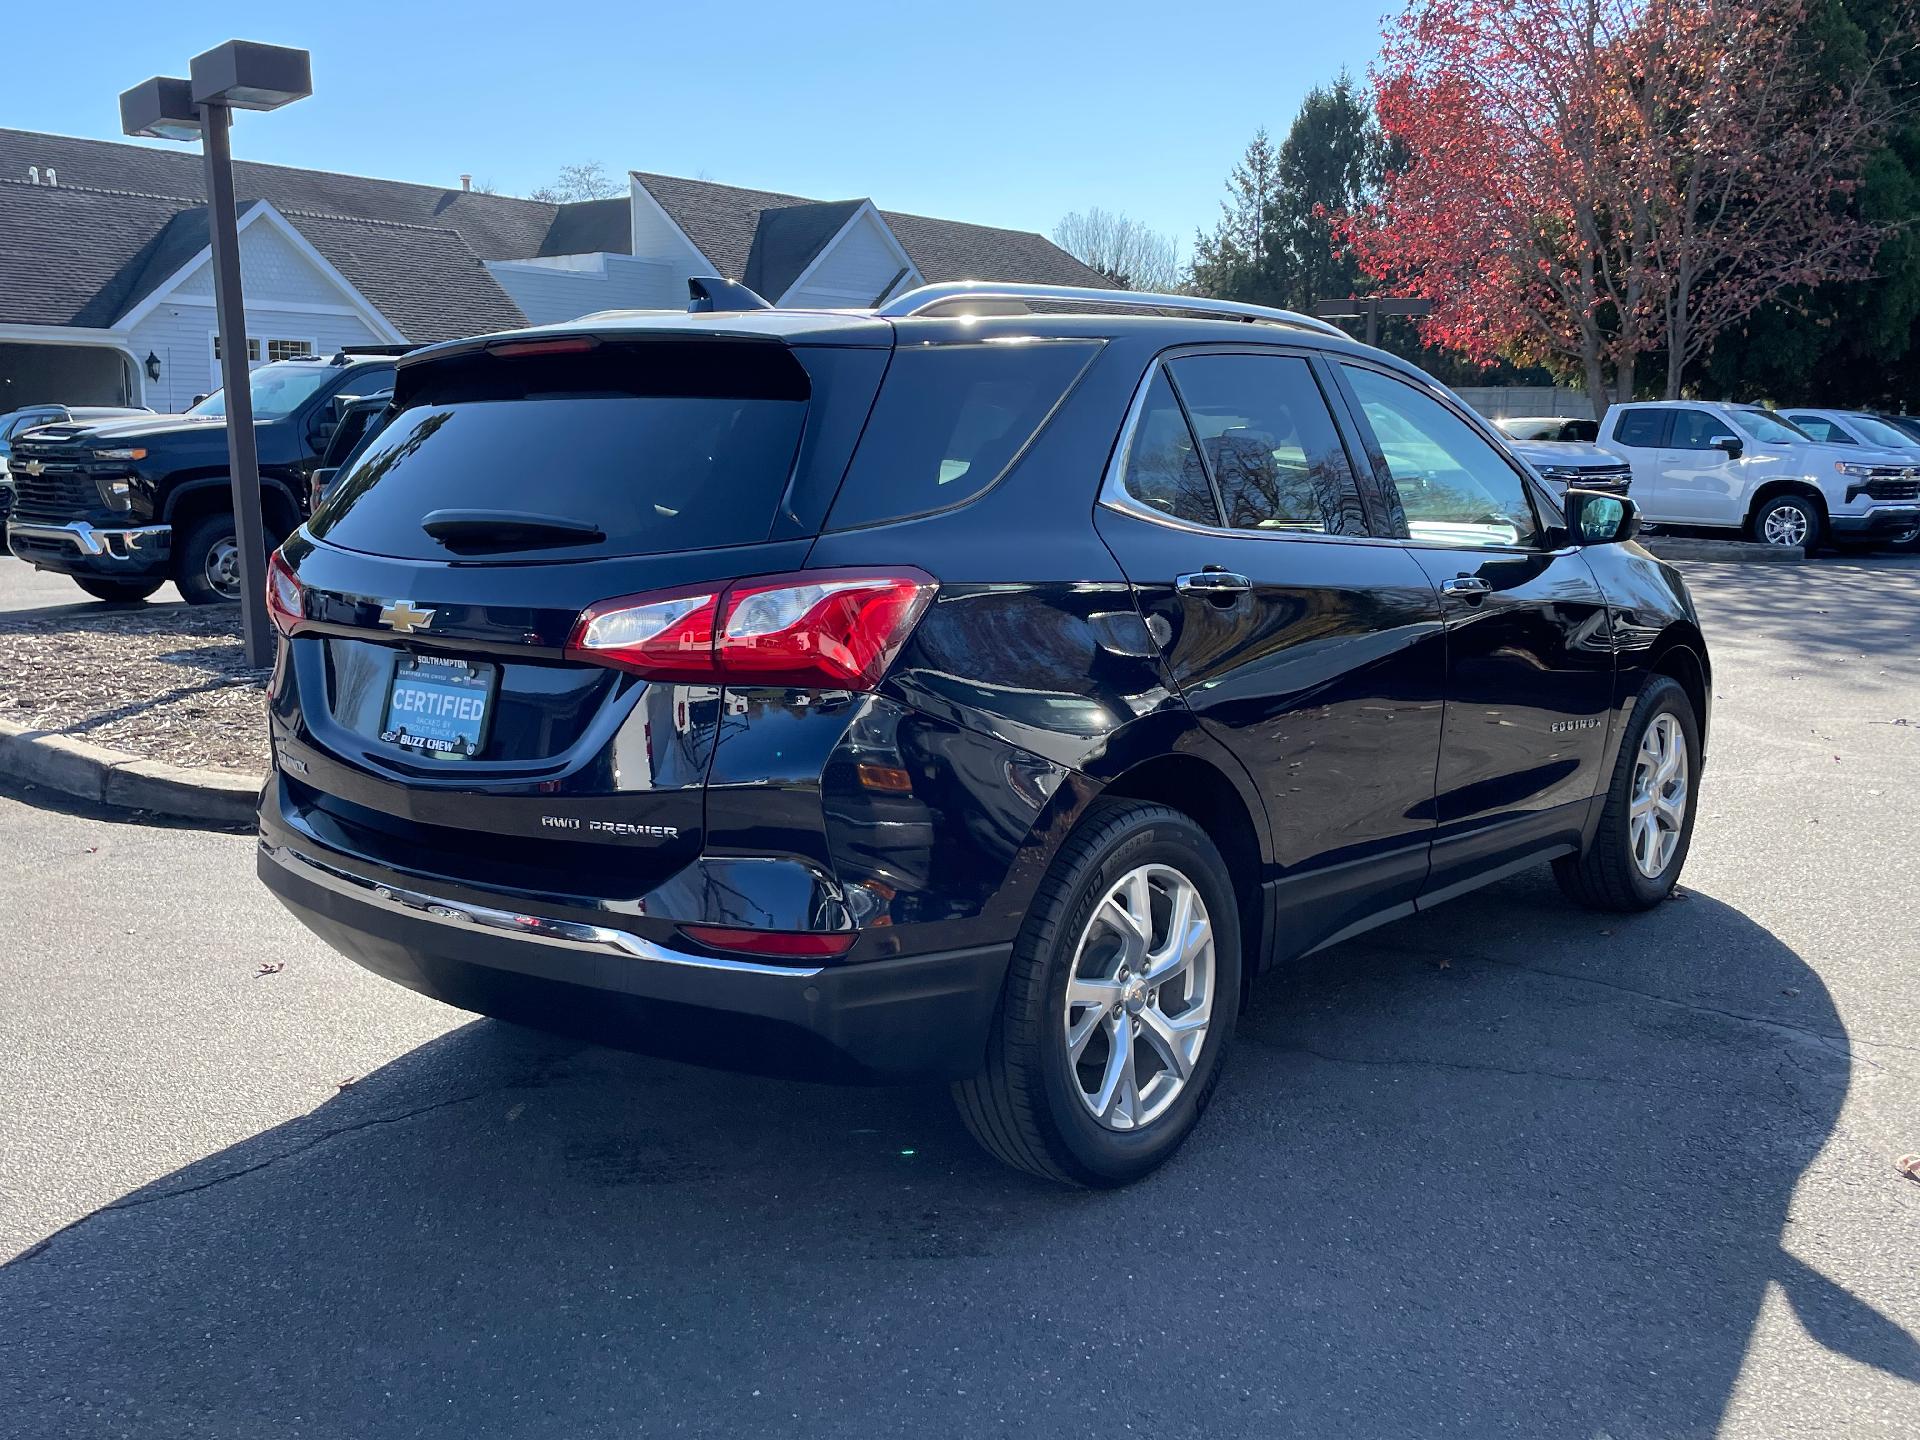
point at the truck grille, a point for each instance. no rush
(58, 493)
(1890, 484)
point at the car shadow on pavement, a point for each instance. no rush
(1510, 1168)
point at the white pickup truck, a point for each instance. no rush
(1739, 467)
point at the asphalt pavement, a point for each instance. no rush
(1510, 1168)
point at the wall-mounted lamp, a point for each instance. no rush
(153, 366)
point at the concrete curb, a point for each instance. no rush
(113, 777)
(1746, 552)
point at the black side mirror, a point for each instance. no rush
(195, 401)
(1732, 444)
(1597, 519)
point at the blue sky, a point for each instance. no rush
(1001, 113)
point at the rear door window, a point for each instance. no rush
(1270, 444)
(661, 447)
(950, 420)
(1641, 429)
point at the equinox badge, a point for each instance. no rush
(403, 617)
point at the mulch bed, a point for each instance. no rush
(161, 682)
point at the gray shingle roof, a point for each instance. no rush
(75, 256)
(425, 279)
(591, 227)
(495, 227)
(724, 220)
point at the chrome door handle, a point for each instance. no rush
(1471, 586)
(1212, 582)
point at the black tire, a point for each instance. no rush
(196, 560)
(118, 592)
(1810, 521)
(1024, 1106)
(1606, 876)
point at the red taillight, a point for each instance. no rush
(283, 595)
(830, 629)
(777, 944)
(668, 635)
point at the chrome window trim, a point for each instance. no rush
(419, 905)
(1113, 490)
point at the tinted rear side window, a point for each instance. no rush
(1640, 429)
(949, 421)
(670, 447)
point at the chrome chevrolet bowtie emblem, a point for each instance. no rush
(33, 468)
(403, 617)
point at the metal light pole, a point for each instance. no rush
(240, 74)
(1370, 307)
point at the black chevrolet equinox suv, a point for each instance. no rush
(985, 686)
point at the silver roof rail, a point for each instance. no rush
(930, 298)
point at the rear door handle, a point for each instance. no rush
(1212, 582)
(1470, 586)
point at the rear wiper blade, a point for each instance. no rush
(504, 529)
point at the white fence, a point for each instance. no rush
(1495, 401)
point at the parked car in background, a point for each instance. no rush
(16, 422)
(1562, 463)
(1745, 469)
(125, 505)
(1853, 427)
(1547, 427)
(942, 690)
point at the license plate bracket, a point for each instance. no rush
(440, 708)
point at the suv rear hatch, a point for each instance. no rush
(428, 701)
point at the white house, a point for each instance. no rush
(106, 293)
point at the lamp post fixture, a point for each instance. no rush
(1370, 308)
(239, 75)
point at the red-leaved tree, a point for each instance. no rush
(1579, 183)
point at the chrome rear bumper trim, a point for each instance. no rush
(422, 906)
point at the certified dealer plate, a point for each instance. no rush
(439, 707)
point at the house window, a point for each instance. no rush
(253, 350)
(287, 349)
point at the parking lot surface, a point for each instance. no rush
(1510, 1168)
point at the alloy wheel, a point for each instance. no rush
(1139, 997)
(1787, 525)
(1658, 813)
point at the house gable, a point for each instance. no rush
(277, 264)
(861, 265)
(657, 236)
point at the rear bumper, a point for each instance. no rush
(78, 548)
(1881, 520)
(910, 1017)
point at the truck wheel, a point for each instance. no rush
(1118, 1006)
(1790, 520)
(1647, 825)
(118, 592)
(206, 563)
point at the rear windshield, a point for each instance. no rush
(949, 421)
(659, 447)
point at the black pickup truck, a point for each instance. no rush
(127, 505)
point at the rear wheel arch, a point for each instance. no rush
(1202, 790)
(198, 498)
